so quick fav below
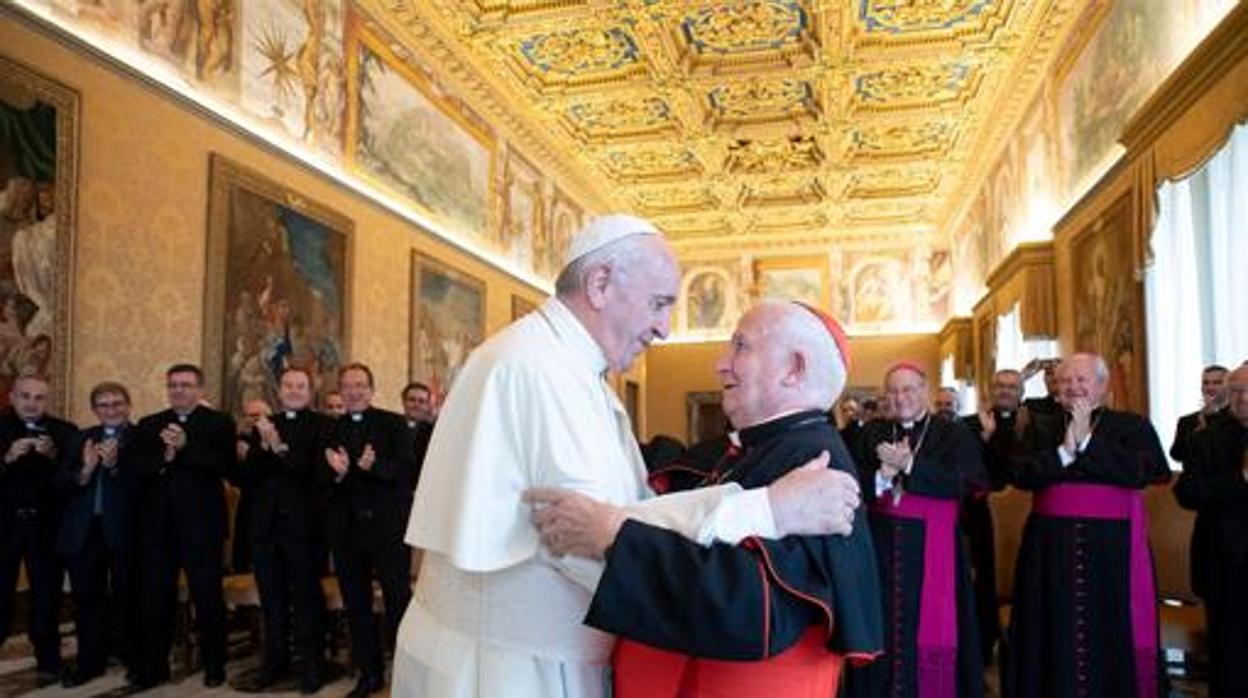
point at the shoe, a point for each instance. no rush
(214, 678)
(44, 678)
(79, 676)
(367, 686)
(310, 684)
(271, 676)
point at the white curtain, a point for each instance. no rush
(966, 390)
(1196, 285)
(1013, 351)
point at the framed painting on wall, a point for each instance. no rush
(521, 306)
(522, 218)
(38, 219)
(565, 221)
(448, 322)
(1110, 303)
(277, 286)
(704, 416)
(409, 139)
(802, 279)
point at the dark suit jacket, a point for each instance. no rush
(382, 494)
(947, 463)
(1213, 485)
(187, 493)
(1124, 451)
(421, 435)
(31, 481)
(286, 490)
(1000, 449)
(1181, 450)
(116, 493)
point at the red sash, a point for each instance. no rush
(805, 670)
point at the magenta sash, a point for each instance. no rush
(1083, 501)
(938, 599)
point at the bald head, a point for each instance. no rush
(29, 397)
(623, 294)
(781, 360)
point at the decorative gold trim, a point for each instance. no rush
(66, 101)
(1221, 50)
(421, 262)
(359, 32)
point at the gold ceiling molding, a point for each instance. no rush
(744, 122)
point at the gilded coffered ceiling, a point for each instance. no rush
(755, 125)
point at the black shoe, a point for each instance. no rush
(214, 678)
(310, 683)
(44, 678)
(271, 676)
(80, 676)
(367, 686)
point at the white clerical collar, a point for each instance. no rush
(910, 424)
(110, 431)
(1007, 413)
(574, 335)
(291, 414)
(357, 416)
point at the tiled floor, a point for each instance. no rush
(17, 676)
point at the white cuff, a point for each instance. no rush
(882, 484)
(739, 516)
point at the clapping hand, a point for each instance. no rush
(367, 458)
(895, 458)
(338, 460)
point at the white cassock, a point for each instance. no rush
(493, 614)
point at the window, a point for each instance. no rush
(1014, 351)
(1198, 275)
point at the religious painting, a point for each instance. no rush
(879, 291)
(802, 279)
(705, 417)
(565, 221)
(448, 322)
(292, 68)
(521, 306)
(522, 218)
(1136, 45)
(933, 281)
(1109, 303)
(201, 38)
(708, 297)
(277, 287)
(38, 217)
(969, 283)
(417, 143)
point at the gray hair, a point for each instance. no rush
(1098, 363)
(806, 334)
(621, 256)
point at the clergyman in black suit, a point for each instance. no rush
(371, 466)
(96, 535)
(187, 451)
(283, 464)
(32, 443)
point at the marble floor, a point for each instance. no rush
(17, 677)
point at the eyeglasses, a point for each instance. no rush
(110, 404)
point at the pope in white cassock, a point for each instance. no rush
(493, 613)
